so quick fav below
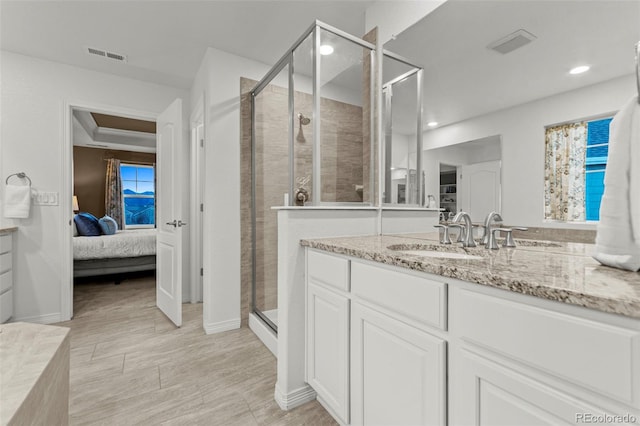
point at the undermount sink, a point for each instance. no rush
(437, 251)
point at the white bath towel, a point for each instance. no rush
(618, 237)
(17, 201)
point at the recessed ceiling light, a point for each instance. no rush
(580, 69)
(325, 49)
(432, 123)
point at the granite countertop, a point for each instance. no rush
(558, 271)
(25, 352)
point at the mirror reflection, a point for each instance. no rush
(500, 71)
(402, 131)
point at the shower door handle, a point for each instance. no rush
(174, 223)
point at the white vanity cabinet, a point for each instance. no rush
(514, 362)
(397, 372)
(370, 357)
(6, 276)
(327, 331)
(398, 368)
(391, 346)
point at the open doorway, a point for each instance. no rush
(165, 215)
(114, 199)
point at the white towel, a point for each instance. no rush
(17, 201)
(618, 237)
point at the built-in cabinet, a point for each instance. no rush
(448, 191)
(6, 276)
(387, 345)
(395, 369)
(515, 362)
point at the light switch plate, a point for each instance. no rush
(41, 198)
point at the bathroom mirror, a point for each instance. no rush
(497, 73)
(402, 121)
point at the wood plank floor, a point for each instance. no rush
(131, 366)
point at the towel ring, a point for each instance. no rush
(21, 175)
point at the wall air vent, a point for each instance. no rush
(96, 51)
(110, 55)
(512, 42)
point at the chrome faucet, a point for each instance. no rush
(487, 226)
(468, 229)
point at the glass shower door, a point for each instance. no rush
(270, 183)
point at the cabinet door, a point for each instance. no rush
(328, 348)
(397, 372)
(483, 392)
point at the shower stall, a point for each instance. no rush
(312, 142)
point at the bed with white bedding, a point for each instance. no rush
(124, 251)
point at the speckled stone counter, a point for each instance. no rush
(34, 374)
(559, 271)
(4, 231)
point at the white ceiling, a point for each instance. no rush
(464, 79)
(165, 41)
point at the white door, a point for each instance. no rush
(484, 392)
(398, 372)
(169, 213)
(328, 348)
(479, 189)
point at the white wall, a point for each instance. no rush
(522, 130)
(219, 79)
(32, 101)
(393, 17)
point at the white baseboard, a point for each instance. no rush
(219, 327)
(264, 333)
(293, 399)
(40, 319)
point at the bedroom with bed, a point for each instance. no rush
(114, 234)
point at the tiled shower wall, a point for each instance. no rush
(343, 154)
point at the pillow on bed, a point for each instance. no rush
(87, 224)
(108, 225)
(73, 225)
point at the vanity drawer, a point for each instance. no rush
(6, 281)
(6, 305)
(5, 243)
(600, 357)
(328, 269)
(412, 296)
(5, 262)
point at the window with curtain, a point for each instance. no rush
(138, 195)
(575, 161)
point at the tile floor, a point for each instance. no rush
(131, 366)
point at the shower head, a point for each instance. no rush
(303, 120)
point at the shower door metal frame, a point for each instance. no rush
(388, 86)
(287, 60)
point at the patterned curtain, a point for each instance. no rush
(113, 192)
(564, 172)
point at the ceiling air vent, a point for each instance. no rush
(105, 54)
(512, 42)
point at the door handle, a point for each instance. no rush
(174, 223)
(181, 223)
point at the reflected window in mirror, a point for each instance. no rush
(575, 161)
